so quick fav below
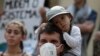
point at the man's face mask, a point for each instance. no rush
(48, 49)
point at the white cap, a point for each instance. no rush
(56, 10)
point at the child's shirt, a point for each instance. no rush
(74, 40)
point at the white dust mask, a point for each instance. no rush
(48, 49)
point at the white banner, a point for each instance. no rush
(26, 10)
(22, 8)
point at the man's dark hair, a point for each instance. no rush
(50, 29)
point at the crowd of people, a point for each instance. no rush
(68, 29)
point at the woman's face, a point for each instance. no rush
(51, 38)
(63, 22)
(13, 34)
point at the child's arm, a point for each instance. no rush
(74, 39)
(42, 26)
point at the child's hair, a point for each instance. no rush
(21, 26)
(50, 29)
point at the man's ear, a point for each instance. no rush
(62, 47)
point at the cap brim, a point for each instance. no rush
(60, 14)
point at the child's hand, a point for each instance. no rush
(38, 55)
(42, 26)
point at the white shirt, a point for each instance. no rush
(74, 40)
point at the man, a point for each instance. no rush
(84, 18)
(52, 34)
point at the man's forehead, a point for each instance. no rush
(50, 33)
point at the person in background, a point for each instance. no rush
(84, 17)
(42, 12)
(15, 33)
(96, 44)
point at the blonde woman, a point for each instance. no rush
(14, 34)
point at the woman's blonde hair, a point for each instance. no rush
(20, 24)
